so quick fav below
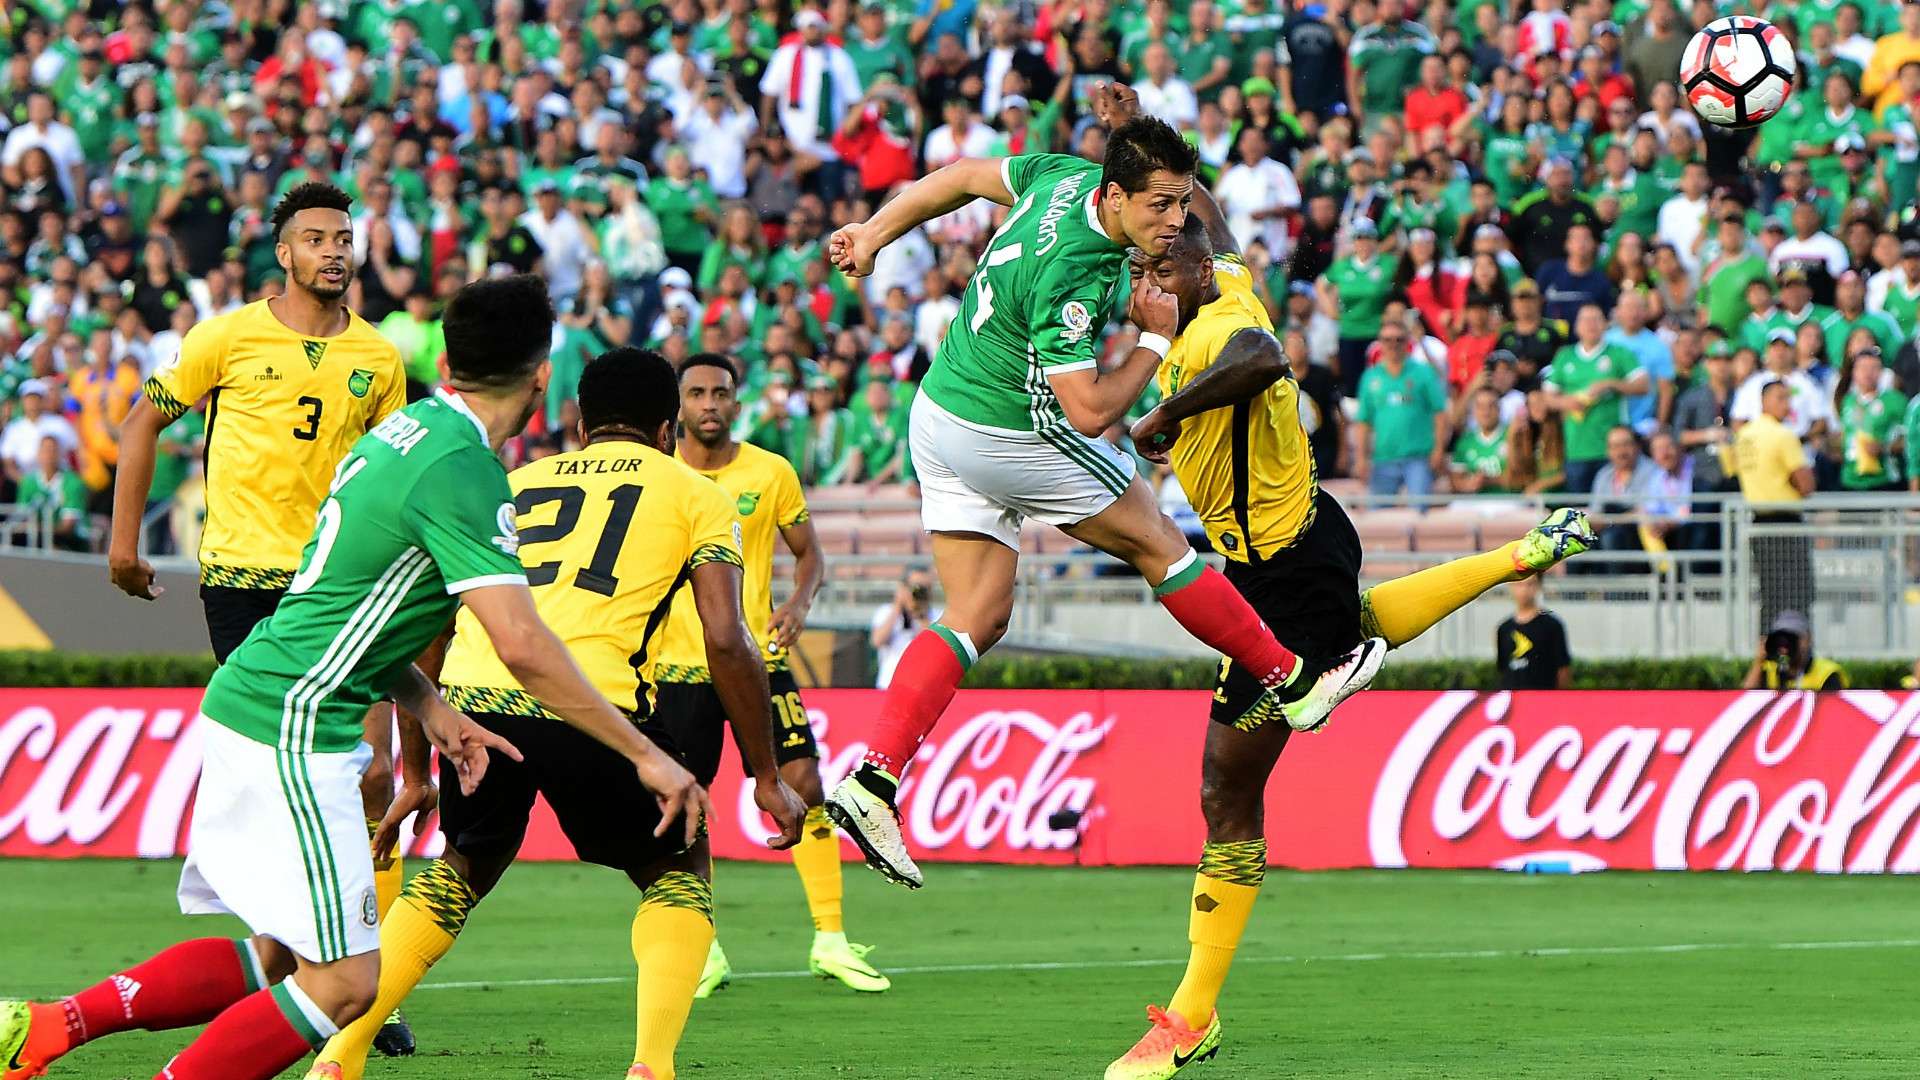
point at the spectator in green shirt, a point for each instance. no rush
(1383, 61)
(51, 491)
(1353, 292)
(1480, 453)
(879, 451)
(1588, 385)
(827, 449)
(686, 209)
(1870, 423)
(421, 339)
(1400, 430)
(740, 243)
(1726, 278)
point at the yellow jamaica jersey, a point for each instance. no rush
(609, 534)
(284, 410)
(766, 497)
(1247, 470)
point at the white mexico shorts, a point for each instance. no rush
(985, 480)
(280, 840)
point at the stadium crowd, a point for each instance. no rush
(1502, 253)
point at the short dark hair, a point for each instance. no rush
(712, 360)
(312, 195)
(498, 330)
(629, 388)
(1139, 148)
(1193, 238)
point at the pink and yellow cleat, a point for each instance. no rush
(325, 1070)
(32, 1036)
(640, 1072)
(1169, 1046)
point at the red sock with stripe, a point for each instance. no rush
(923, 684)
(255, 1039)
(184, 986)
(1202, 600)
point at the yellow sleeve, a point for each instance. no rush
(393, 392)
(789, 502)
(1792, 457)
(713, 532)
(200, 367)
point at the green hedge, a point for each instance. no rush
(1024, 671)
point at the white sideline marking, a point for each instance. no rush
(1335, 958)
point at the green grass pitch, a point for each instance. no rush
(1030, 973)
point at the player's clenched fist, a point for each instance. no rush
(1155, 310)
(851, 248)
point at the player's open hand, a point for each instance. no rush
(420, 798)
(463, 742)
(1154, 434)
(785, 808)
(677, 792)
(851, 248)
(1113, 104)
(1155, 310)
(134, 576)
(787, 622)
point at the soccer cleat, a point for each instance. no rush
(31, 1038)
(717, 974)
(1168, 1047)
(325, 1070)
(639, 1072)
(1349, 675)
(834, 957)
(874, 825)
(395, 1037)
(1565, 533)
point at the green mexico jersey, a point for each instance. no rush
(1903, 304)
(1484, 453)
(419, 512)
(1759, 328)
(1036, 306)
(1867, 428)
(1884, 328)
(1574, 369)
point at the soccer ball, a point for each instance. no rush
(1738, 72)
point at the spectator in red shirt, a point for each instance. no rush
(1468, 352)
(292, 61)
(1597, 76)
(1433, 103)
(866, 136)
(1434, 288)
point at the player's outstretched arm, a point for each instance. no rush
(456, 736)
(542, 664)
(741, 681)
(942, 191)
(1250, 362)
(133, 482)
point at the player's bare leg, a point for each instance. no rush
(1233, 784)
(1202, 601)
(376, 796)
(421, 929)
(977, 575)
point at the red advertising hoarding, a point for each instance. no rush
(1665, 780)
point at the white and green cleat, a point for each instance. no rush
(1565, 533)
(717, 974)
(873, 824)
(1349, 675)
(834, 957)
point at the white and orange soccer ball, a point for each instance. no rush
(1738, 71)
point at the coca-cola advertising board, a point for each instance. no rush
(1584, 781)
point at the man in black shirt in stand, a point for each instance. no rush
(1532, 644)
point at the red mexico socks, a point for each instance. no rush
(923, 685)
(1200, 599)
(256, 1039)
(186, 985)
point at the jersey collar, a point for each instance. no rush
(1093, 216)
(457, 404)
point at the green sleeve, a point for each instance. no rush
(461, 513)
(1913, 437)
(1020, 173)
(711, 263)
(73, 497)
(1436, 394)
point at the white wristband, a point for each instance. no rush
(1155, 344)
